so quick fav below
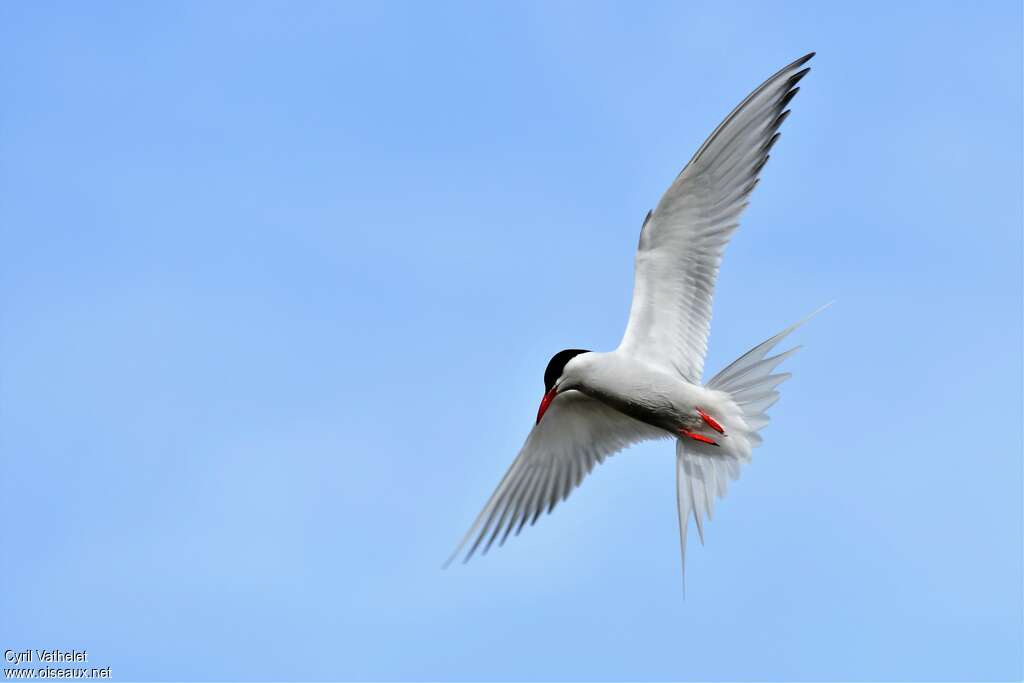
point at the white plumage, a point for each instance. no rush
(650, 387)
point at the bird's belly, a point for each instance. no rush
(664, 402)
(657, 414)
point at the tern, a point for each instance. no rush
(650, 387)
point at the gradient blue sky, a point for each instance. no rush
(279, 282)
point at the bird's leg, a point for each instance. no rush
(710, 421)
(698, 437)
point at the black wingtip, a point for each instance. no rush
(798, 76)
(787, 98)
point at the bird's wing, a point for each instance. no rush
(682, 240)
(576, 433)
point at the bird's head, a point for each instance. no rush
(558, 376)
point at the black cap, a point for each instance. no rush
(557, 364)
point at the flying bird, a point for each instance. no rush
(650, 387)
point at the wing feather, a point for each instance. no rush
(682, 240)
(576, 433)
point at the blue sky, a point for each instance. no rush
(279, 282)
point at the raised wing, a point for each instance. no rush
(576, 433)
(682, 240)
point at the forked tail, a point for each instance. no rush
(702, 476)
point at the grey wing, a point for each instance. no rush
(682, 240)
(577, 432)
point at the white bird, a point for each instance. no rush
(596, 404)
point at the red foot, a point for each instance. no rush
(711, 421)
(698, 437)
